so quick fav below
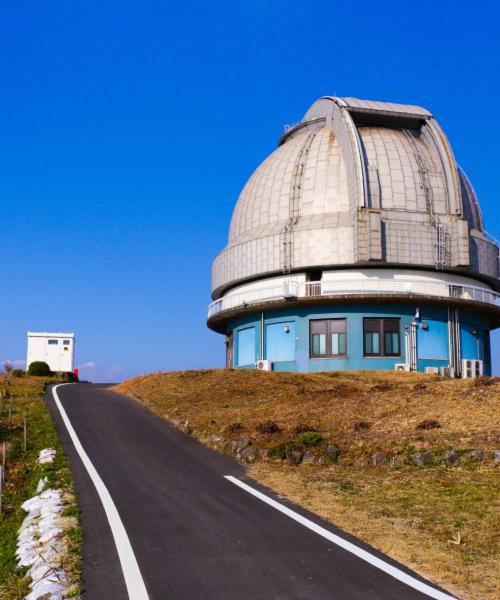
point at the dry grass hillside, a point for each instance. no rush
(348, 445)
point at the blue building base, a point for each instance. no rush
(284, 337)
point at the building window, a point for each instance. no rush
(381, 337)
(53, 342)
(66, 342)
(328, 338)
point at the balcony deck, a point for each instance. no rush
(293, 292)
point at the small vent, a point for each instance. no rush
(263, 365)
(471, 368)
(447, 371)
(432, 370)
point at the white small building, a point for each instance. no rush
(56, 349)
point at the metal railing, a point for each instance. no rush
(289, 126)
(290, 290)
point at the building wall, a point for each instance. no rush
(286, 337)
(57, 350)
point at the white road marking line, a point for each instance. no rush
(350, 547)
(133, 579)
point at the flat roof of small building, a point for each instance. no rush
(49, 334)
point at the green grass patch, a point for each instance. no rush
(23, 474)
(310, 438)
(282, 450)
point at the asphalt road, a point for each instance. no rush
(196, 535)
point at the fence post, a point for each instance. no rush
(25, 433)
(4, 460)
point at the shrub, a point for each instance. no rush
(420, 386)
(302, 428)
(384, 386)
(484, 380)
(429, 424)
(310, 438)
(282, 450)
(348, 486)
(17, 373)
(268, 427)
(69, 376)
(233, 428)
(361, 426)
(39, 369)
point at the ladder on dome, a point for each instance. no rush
(441, 241)
(441, 245)
(294, 205)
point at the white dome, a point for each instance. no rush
(357, 183)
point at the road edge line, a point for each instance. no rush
(134, 582)
(344, 544)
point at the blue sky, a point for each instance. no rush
(129, 128)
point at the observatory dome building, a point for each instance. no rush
(358, 244)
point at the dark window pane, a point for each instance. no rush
(371, 325)
(318, 326)
(319, 330)
(391, 325)
(342, 343)
(391, 336)
(337, 326)
(395, 343)
(388, 344)
(371, 329)
(338, 342)
(319, 344)
(372, 343)
(368, 343)
(335, 343)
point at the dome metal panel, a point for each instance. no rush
(346, 187)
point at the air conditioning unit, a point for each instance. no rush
(290, 290)
(447, 371)
(432, 370)
(401, 367)
(471, 368)
(264, 365)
